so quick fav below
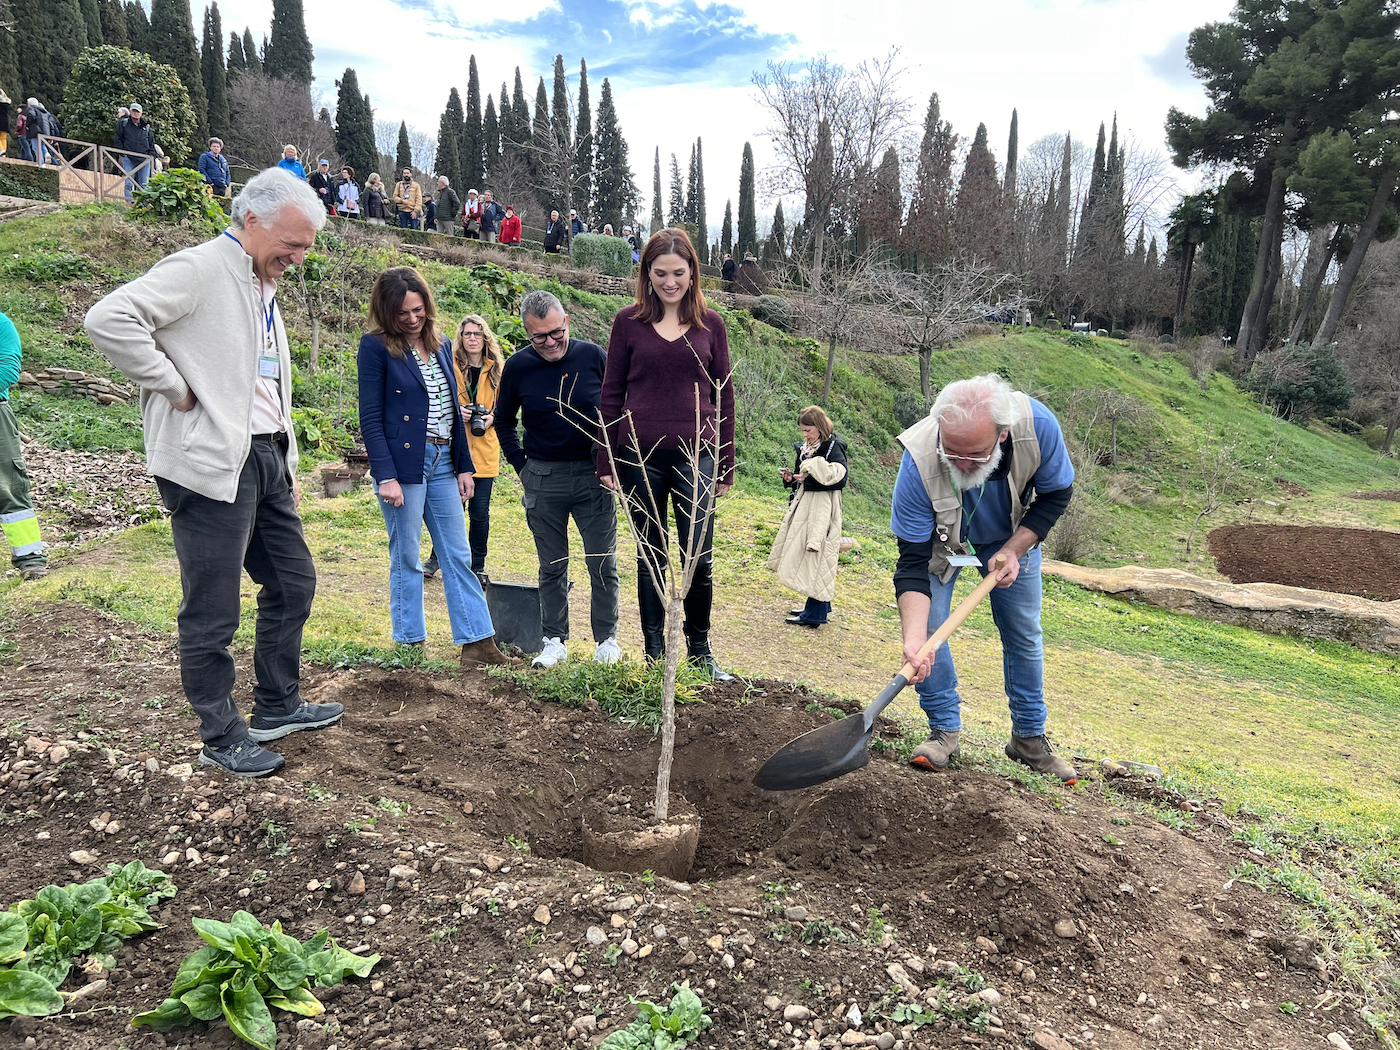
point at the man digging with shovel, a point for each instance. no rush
(986, 473)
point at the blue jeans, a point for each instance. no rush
(1016, 613)
(437, 504)
(26, 148)
(816, 611)
(142, 169)
(406, 221)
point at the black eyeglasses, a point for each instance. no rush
(548, 337)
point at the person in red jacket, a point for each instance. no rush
(510, 227)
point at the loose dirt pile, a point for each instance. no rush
(1364, 562)
(1393, 495)
(439, 827)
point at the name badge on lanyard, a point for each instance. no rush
(269, 365)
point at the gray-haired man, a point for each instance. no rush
(553, 385)
(202, 336)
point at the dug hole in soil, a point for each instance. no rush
(1363, 562)
(439, 826)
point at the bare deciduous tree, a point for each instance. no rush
(268, 113)
(422, 145)
(1220, 466)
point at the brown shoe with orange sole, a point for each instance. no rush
(933, 754)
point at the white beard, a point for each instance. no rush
(971, 479)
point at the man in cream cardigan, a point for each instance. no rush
(202, 336)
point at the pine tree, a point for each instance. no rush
(471, 150)
(746, 236)
(658, 219)
(92, 21)
(403, 155)
(172, 42)
(251, 58)
(236, 63)
(354, 127)
(211, 62)
(726, 231)
(446, 162)
(979, 222)
(490, 140)
(700, 218)
(519, 113)
(113, 16)
(613, 182)
(9, 58)
(928, 232)
(1009, 185)
(51, 36)
(455, 115)
(289, 51)
(138, 27)
(584, 145)
(775, 247)
(677, 209)
(539, 140)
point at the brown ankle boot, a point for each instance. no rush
(485, 653)
(934, 753)
(1035, 752)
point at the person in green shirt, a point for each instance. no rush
(17, 517)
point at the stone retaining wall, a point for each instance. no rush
(69, 382)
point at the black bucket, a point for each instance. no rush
(515, 613)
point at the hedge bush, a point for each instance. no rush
(774, 310)
(1118, 333)
(609, 255)
(909, 408)
(28, 181)
(106, 77)
(1051, 325)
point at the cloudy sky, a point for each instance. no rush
(682, 68)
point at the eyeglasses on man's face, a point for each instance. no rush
(961, 458)
(544, 338)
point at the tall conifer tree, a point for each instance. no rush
(138, 27)
(51, 36)
(236, 63)
(928, 232)
(490, 140)
(9, 57)
(746, 236)
(539, 140)
(289, 51)
(446, 162)
(658, 218)
(250, 53)
(615, 192)
(560, 121)
(212, 69)
(519, 112)
(471, 151)
(584, 146)
(688, 211)
(700, 218)
(92, 22)
(172, 42)
(113, 16)
(677, 204)
(354, 128)
(979, 223)
(775, 247)
(455, 116)
(403, 155)
(726, 231)
(1009, 186)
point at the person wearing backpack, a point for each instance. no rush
(134, 134)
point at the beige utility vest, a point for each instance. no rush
(921, 442)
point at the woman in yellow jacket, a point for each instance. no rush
(477, 360)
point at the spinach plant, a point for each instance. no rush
(658, 1028)
(245, 970)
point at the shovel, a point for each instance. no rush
(844, 746)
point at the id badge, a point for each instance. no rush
(269, 368)
(958, 557)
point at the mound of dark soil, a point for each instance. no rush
(1393, 495)
(439, 826)
(1364, 562)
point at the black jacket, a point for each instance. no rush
(554, 235)
(728, 270)
(317, 181)
(833, 450)
(135, 138)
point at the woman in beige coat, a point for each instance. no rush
(809, 542)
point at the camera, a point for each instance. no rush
(478, 421)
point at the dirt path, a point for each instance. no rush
(439, 827)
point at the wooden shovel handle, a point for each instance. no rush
(958, 615)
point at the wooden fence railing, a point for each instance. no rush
(90, 172)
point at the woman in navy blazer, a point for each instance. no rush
(418, 455)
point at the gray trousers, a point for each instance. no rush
(554, 492)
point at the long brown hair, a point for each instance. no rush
(650, 308)
(491, 360)
(385, 301)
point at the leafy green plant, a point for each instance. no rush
(178, 197)
(247, 969)
(657, 1028)
(628, 691)
(42, 265)
(503, 286)
(102, 75)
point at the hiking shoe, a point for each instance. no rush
(484, 652)
(608, 652)
(34, 572)
(430, 567)
(263, 728)
(933, 753)
(554, 652)
(243, 759)
(1035, 751)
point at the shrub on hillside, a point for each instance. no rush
(609, 255)
(178, 197)
(106, 77)
(1118, 333)
(750, 280)
(35, 184)
(909, 408)
(774, 310)
(1079, 339)
(1051, 325)
(1300, 381)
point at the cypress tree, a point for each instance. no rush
(658, 220)
(775, 247)
(539, 140)
(519, 112)
(505, 117)
(404, 154)
(677, 208)
(979, 225)
(92, 21)
(456, 113)
(471, 150)
(51, 36)
(289, 51)
(113, 16)
(172, 42)
(726, 231)
(9, 58)
(928, 232)
(1087, 215)
(700, 219)
(1062, 242)
(211, 61)
(583, 147)
(138, 27)
(560, 122)
(236, 62)
(448, 162)
(1009, 186)
(490, 140)
(746, 237)
(252, 60)
(612, 171)
(884, 206)
(354, 128)
(688, 209)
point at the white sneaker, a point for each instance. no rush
(554, 652)
(608, 652)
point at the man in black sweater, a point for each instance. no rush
(553, 386)
(134, 135)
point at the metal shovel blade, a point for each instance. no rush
(829, 752)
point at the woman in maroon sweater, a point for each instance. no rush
(668, 354)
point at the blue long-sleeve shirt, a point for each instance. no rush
(214, 169)
(532, 389)
(9, 356)
(294, 166)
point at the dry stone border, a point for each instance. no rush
(70, 382)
